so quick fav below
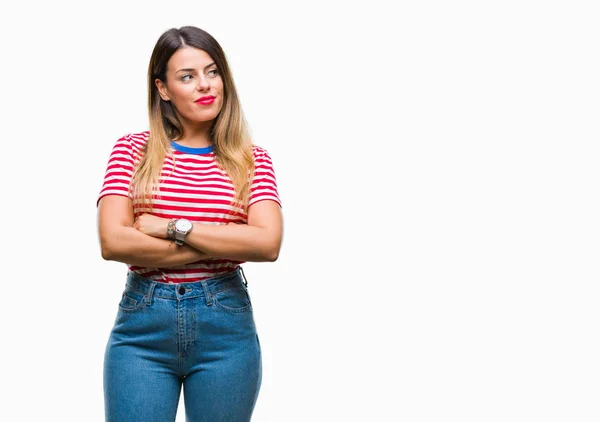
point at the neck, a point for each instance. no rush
(196, 135)
(195, 142)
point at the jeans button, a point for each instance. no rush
(181, 290)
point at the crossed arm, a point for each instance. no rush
(143, 241)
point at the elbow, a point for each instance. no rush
(113, 245)
(273, 251)
(273, 255)
(106, 252)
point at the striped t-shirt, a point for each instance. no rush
(194, 188)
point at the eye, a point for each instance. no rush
(183, 78)
(216, 72)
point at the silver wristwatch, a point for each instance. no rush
(182, 227)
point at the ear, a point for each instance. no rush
(162, 89)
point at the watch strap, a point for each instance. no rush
(179, 236)
(171, 229)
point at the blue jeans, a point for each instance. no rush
(200, 334)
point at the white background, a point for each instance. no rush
(438, 168)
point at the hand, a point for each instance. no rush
(152, 225)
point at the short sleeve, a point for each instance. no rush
(264, 184)
(119, 170)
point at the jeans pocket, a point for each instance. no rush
(131, 300)
(233, 299)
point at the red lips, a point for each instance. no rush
(207, 98)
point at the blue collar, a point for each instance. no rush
(190, 150)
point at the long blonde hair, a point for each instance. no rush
(229, 133)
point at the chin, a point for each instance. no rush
(207, 116)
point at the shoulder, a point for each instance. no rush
(138, 139)
(260, 153)
(133, 142)
(262, 159)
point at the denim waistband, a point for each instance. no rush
(151, 288)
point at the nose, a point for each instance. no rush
(203, 84)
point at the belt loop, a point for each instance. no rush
(243, 275)
(150, 293)
(129, 277)
(207, 293)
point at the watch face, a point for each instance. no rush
(183, 225)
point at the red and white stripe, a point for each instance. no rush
(192, 187)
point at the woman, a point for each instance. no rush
(183, 205)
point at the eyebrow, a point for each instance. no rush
(192, 70)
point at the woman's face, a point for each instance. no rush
(191, 75)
